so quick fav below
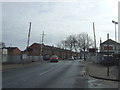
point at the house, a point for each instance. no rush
(110, 46)
(2, 45)
(11, 51)
(35, 50)
(11, 55)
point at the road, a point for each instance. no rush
(64, 74)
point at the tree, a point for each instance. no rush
(69, 42)
(62, 44)
(84, 41)
(78, 43)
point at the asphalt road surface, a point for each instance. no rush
(64, 74)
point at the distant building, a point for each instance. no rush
(11, 55)
(35, 50)
(2, 45)
(11, 51)
(110, 46)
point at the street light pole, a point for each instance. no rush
(115, 33)
(108, 55)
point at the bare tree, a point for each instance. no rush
(62, 44)
(71, 42)
(80, 42)
(84, 41)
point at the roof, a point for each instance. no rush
(110, 41)
(46, 47)
(10, 48)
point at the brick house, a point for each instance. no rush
(11, 51)
(112, 46)
(11, 55)
(35, 50)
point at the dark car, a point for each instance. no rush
(54, 58)
(46, 57)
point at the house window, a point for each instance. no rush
(5, 52)
(108, 48)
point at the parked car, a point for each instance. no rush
(54, 58)
(46, 57)
(71, 58)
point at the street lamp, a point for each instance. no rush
(115, 33)
(115, 29)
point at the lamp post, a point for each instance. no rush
(115, 29)
(115, 33)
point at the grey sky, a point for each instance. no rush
(57, 19)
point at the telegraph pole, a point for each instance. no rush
(29, 35)
(43, 34)
(108, 54)
(94, 35)
(28, 40)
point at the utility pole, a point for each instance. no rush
(28, 40)
(43, 34)
(115, 35)
(94, 39)
(94, 35)
(108, 54)
(29, 35)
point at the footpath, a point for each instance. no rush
(14, 66)
(100, 72)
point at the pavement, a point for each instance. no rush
(101, 72)
(14, 66)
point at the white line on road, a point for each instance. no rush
(54, 68)
(50, 70)
(45, 72)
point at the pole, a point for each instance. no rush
(94, 35)
(29, 35)
(116, 38)
(115, 35)
(28, 40)
(108, 54)
(42, 43)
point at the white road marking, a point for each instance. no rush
(54, 68)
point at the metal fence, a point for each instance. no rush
(94, 57)
(17, 59)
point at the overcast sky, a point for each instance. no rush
(57, 19)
